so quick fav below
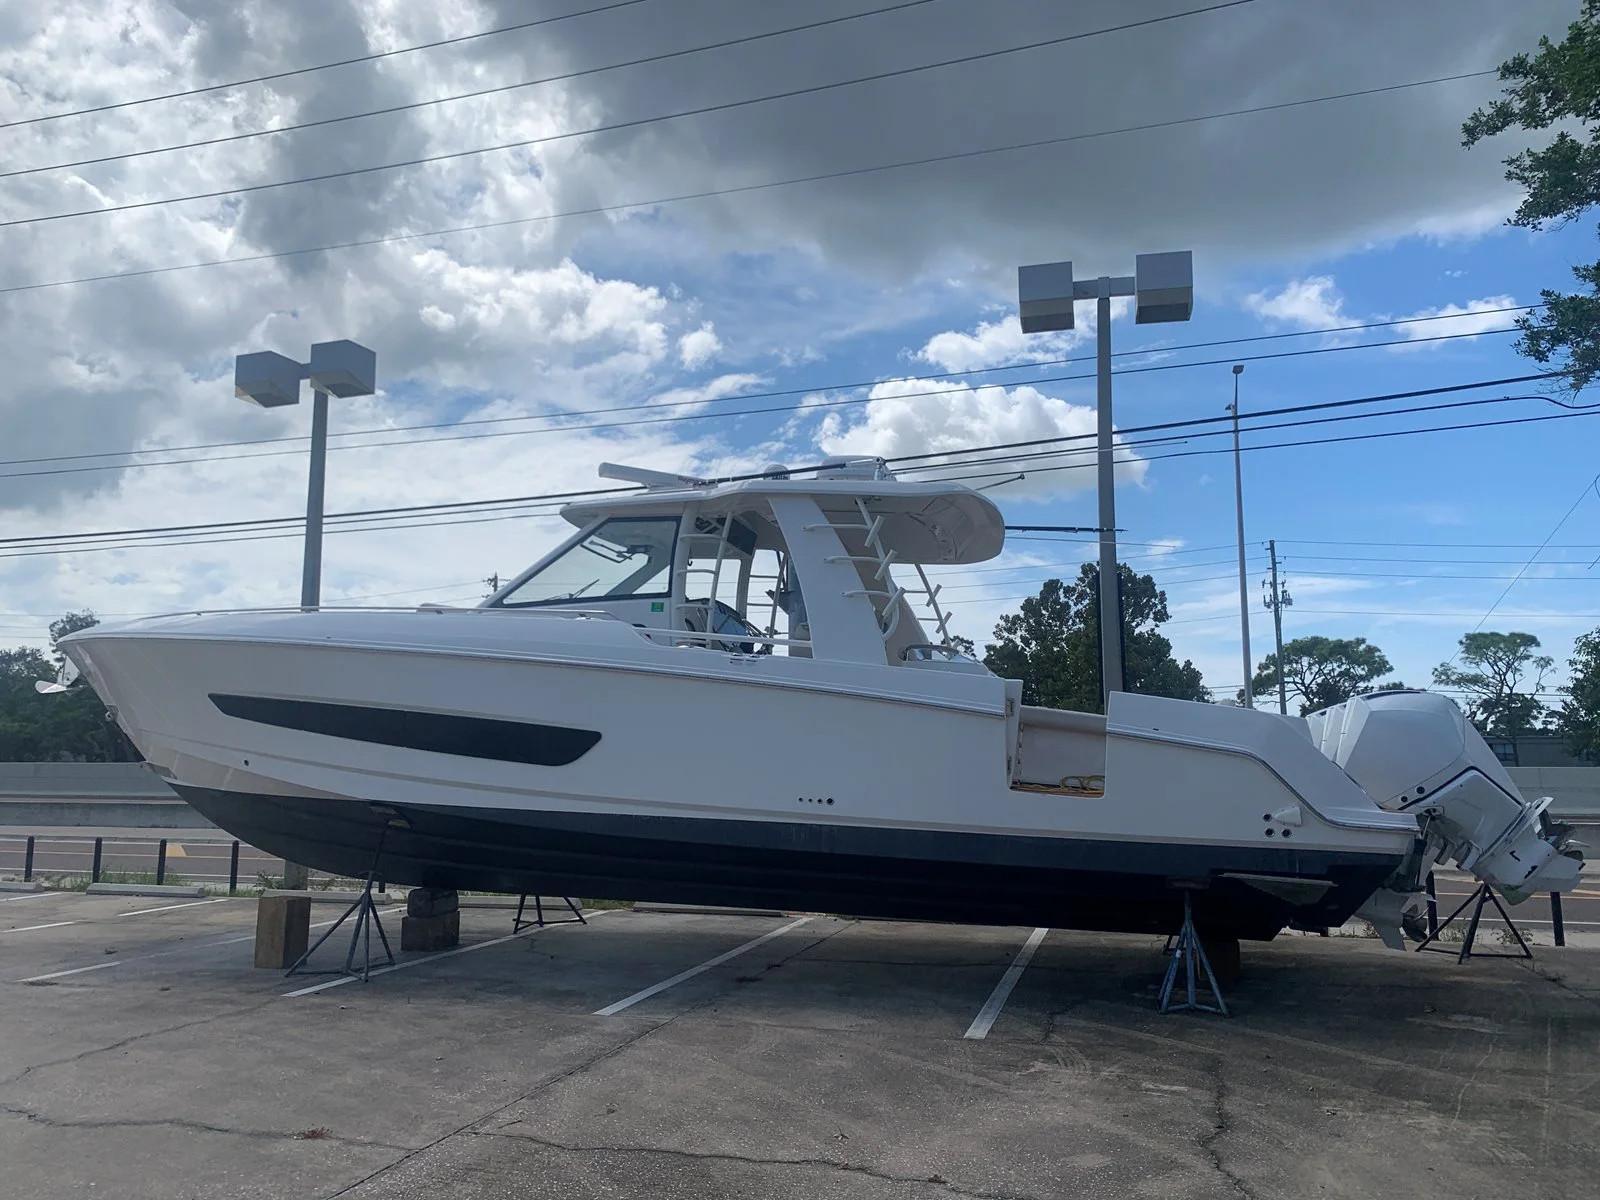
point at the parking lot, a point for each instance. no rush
(693, 1054)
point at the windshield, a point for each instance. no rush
(625, 556)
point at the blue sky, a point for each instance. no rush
(1355, 210)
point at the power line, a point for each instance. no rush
(1359, 437)
(481, 92)
(709, 193)
(1319, 572)
(1378, 612)
(1133, 444)
(1500, 599)
(849, 401)
(343, 62)
(39, 546)
(801, 391)
(463, 505)
(615, 126)
(1454, 562)
(1441, 546)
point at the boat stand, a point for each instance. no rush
(1484, 895)
(1187, 952)
(365, 911)
(519, 922)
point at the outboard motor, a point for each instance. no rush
(1416, 752)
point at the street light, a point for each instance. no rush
(1238, 512)
(1162, 286)
(342, 369)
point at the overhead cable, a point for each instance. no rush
(616, 126)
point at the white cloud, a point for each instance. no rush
(1001, 342)
(901, 419)
(1311, 303)
(1472, 318)
(699, 346)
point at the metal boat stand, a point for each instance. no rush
(1187, 953)
(519, 922)
(365, 911)
(1484, 895)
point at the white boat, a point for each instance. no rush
(742, 693)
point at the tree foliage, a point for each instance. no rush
(1322, 671)
(1052, 644)
(1558, 85)
(1499, 665)
(69, 727)
(1579, 715)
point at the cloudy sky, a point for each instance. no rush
(610, 279)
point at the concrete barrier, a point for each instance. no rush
(1575, 790)
(146, 889)
(91, 794)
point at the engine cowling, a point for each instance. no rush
(1416, 752)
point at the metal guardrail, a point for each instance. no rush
(138, 851)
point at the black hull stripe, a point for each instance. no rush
(439, 733)
(913, 874)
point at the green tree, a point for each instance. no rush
(70, 622)
(1579, 715)
(1498, 667)
(67, 727)
(1557, 86)
(1322, 671)
(24, 719)
(1052, 644)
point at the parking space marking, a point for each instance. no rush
(31, 928)
(428, 958)
(29, 896)
(656, 988)
(984, 1021)
(117, 962)
(139, 912)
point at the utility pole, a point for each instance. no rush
(1162, 287)
(493, 583)
(1277, 600)
(1238, 508)
(269, 380)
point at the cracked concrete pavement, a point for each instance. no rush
(826, 1062)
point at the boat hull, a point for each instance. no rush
(977, 878)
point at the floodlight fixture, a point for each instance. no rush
(1045, 297)
(343, 368)
(1163, 287)
(267, 379)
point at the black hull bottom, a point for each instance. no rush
(985, 879)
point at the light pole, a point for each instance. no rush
(342, 369)
(1163, 289)
(1238, 510)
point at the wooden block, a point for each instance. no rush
(431, 933)
(432, 902)
(283, 930)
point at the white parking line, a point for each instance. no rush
(654, 989)
(29, 896)
(31, 928)
(139, 912)
(117, 962)
(428, 958)
(984, 1021)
